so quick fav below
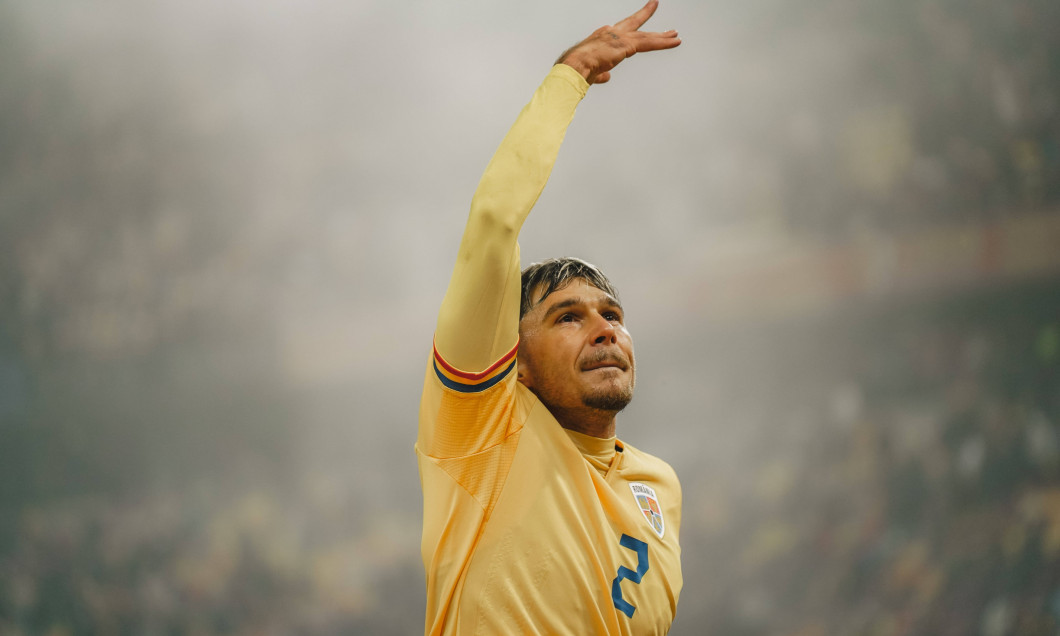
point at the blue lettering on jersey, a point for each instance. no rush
(641, 549)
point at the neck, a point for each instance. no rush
(587, 421)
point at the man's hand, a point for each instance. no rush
(596, 55)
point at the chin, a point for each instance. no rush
(610, 400)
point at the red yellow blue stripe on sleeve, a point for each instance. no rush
(466, 382)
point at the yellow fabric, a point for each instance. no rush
(522, 531)
(479, 319)
(598, 451)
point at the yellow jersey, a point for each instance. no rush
(529, 528)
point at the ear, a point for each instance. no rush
(523, 373)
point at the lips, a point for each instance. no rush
(605, 361)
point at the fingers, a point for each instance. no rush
(628, 28)
(653, 41)
(635, 21)
(595, 56)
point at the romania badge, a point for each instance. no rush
(648, 502)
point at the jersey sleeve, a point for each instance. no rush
(478, 325)
(479, 319)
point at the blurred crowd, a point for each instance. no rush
(198, 273)
(898, 116)
(913, 489)
(208, 562)
(908, 485)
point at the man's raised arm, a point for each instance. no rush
(478, 324)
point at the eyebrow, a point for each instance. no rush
(571, 302)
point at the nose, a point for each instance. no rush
(604, 331)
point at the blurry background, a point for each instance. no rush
(226, 227)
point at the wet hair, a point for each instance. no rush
(557, 273)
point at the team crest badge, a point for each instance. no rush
(648, 502)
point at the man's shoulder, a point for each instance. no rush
(642, 461)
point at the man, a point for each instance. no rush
(537, 520)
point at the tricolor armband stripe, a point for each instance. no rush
(467, 382)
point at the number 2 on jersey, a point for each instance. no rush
(641, 549)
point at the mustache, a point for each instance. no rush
(604, 357)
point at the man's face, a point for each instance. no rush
(575, 352)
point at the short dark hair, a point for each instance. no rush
(557, 273)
